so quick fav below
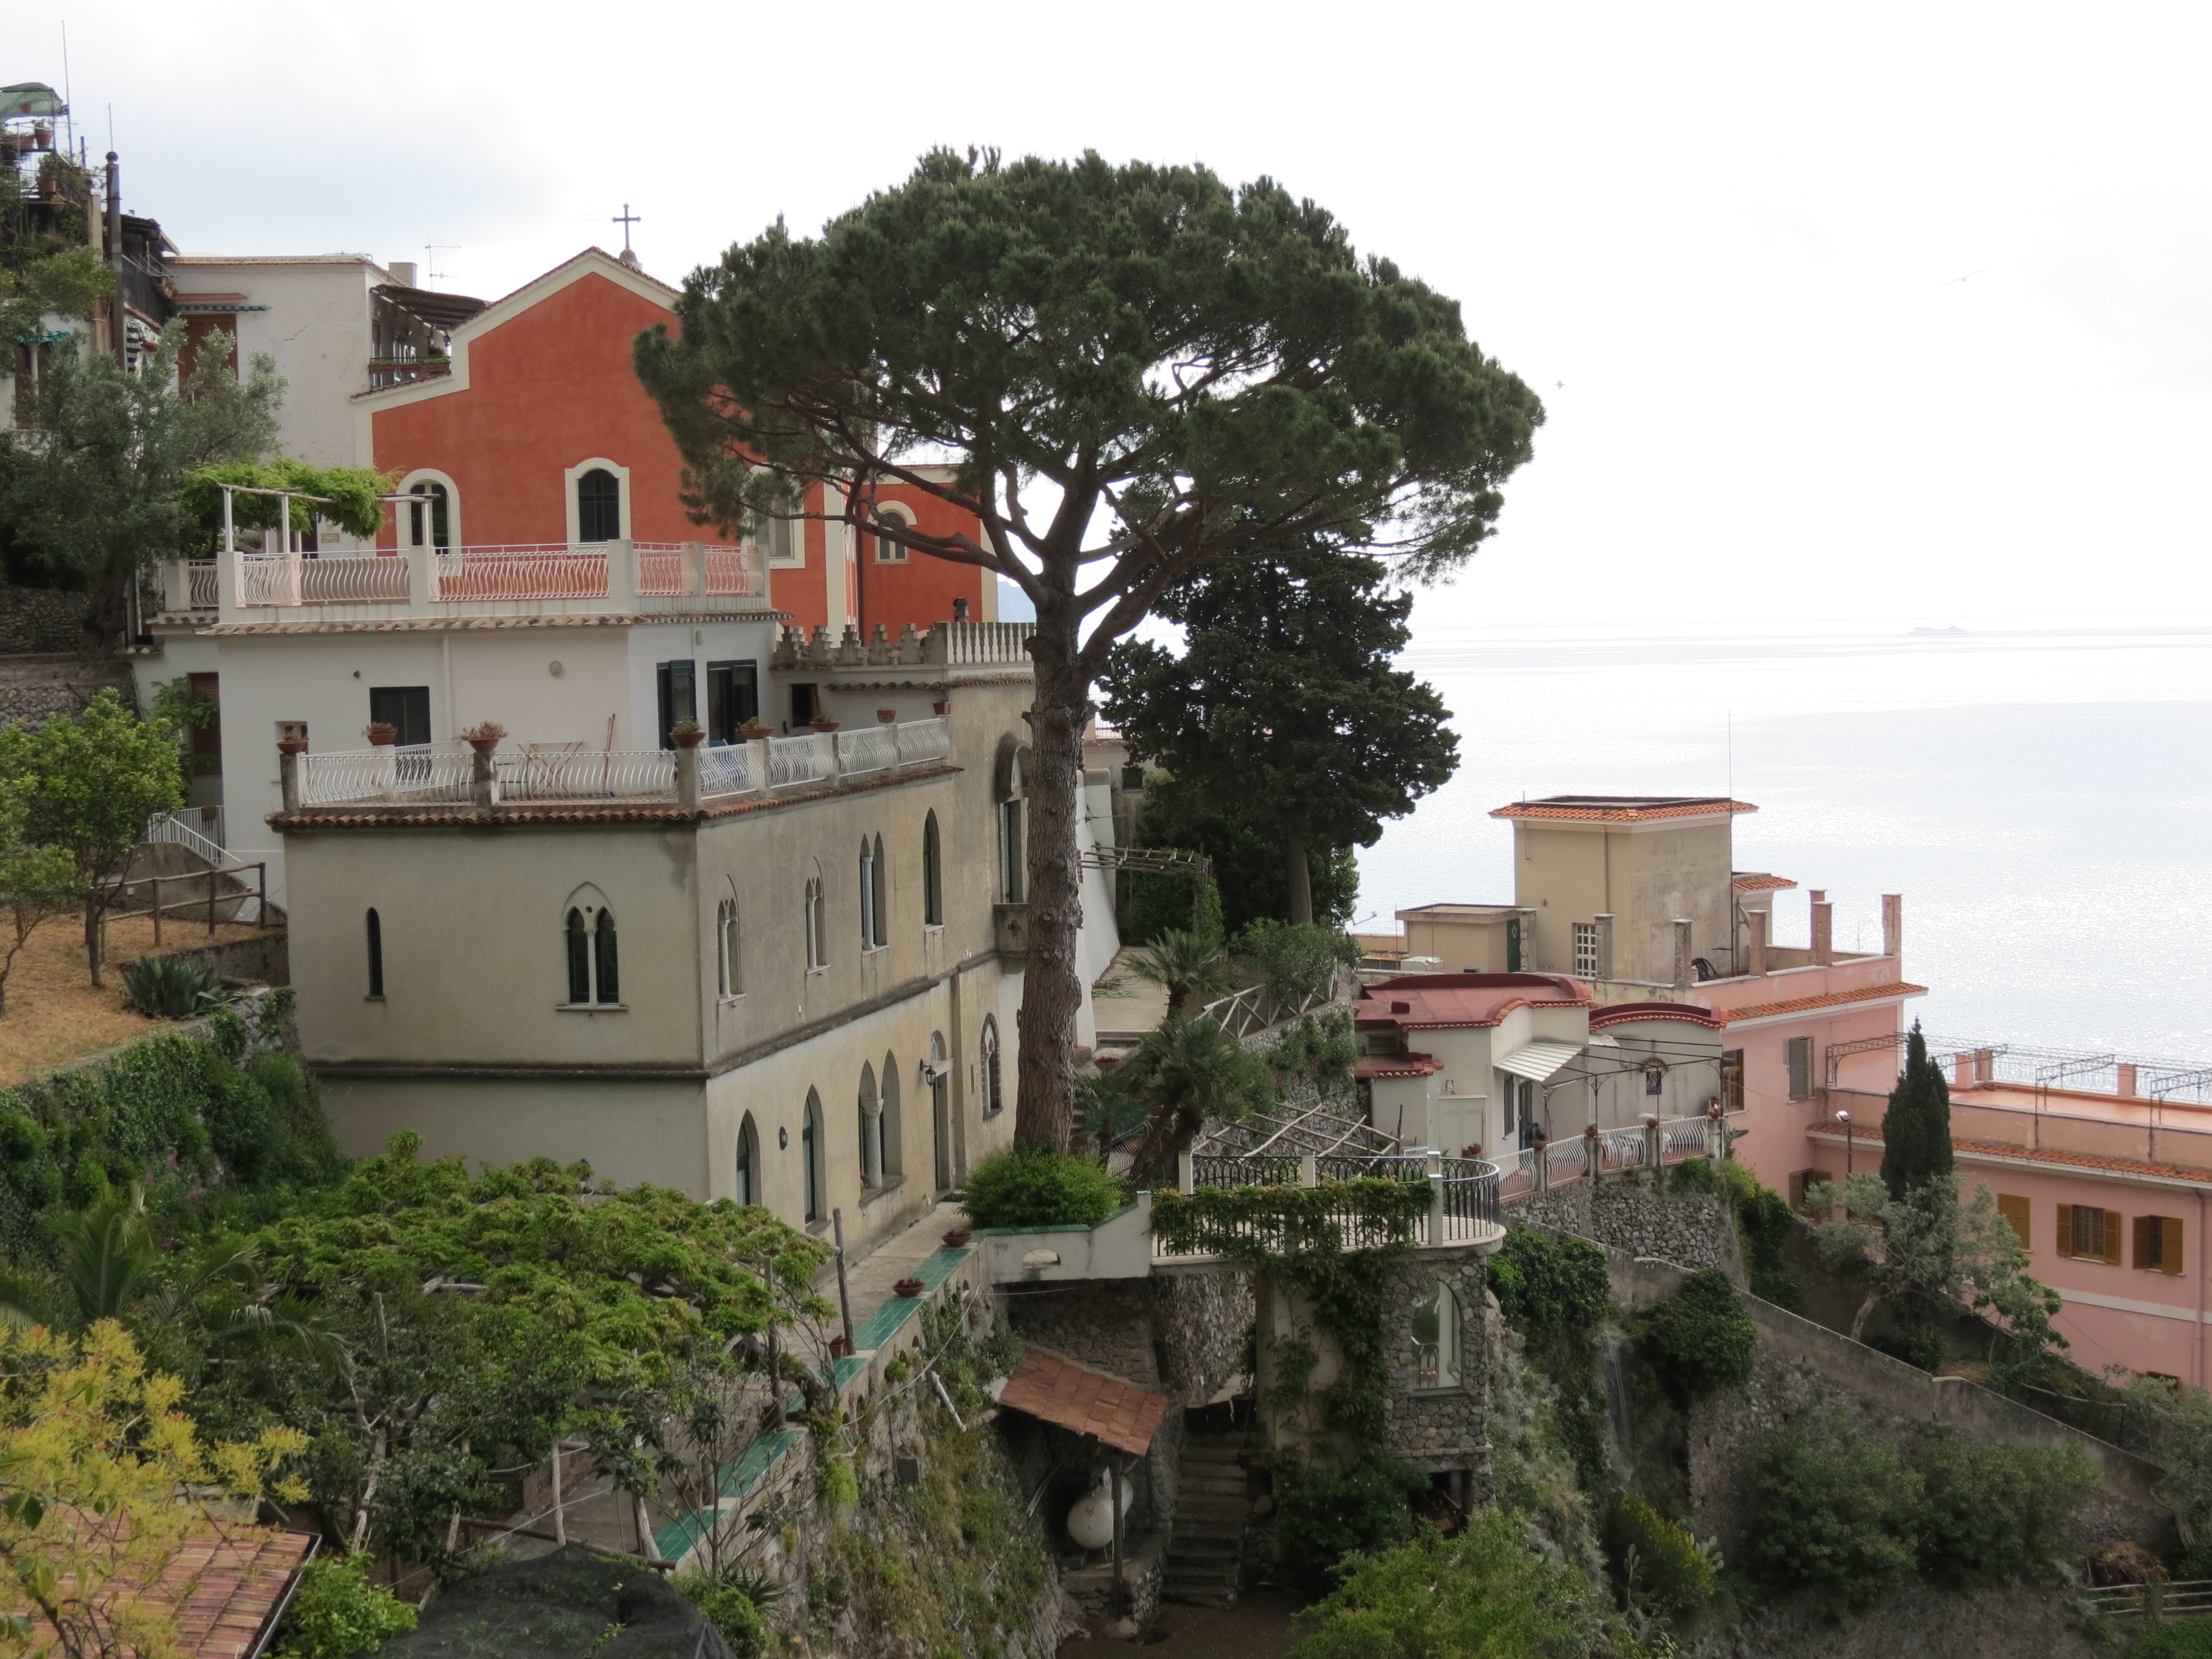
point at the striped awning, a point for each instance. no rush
(1537, 1060)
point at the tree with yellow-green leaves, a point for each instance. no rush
(103, 1481)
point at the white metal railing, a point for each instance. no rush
(418, 773)
(293, 579)
(1681, 1137)
(806, 758)
(1620, 1149)
(728, 770)
(202, 585)
(678, 569)
(865, 748)
(1564, 1161)
(1463, 1200)
(549, 570)
(923, 740)
(171, 827)
(587, 775)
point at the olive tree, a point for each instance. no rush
(1117, 376)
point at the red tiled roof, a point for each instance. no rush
(1618, 1013)
(1833, 1000)
(1444, 1001)
(2041, 1155)
(1374, 1065)
(472, 625)
(224, 1588)
(1119, 1414)
(1762, 884)
(1620, 808)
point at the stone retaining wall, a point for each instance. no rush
(1694, 1230)
(1434, 1428)
(34, 688)
(41, 619)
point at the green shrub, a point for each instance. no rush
(1701, 1339)
(1915, 1342)
(171, 988)
(1322, 1515)
(1485, 1595)
(2185, 1638)
(736, 1601)
(1296, 960)
(1836, 1513)
(1668, 1571)
(337, 1612)
(1547, 1282)
(1037, 1187)
(1998, 1512)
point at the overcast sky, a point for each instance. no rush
(1850, 311)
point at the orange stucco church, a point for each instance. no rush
(539, 435)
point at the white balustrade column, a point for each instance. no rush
(622, 575)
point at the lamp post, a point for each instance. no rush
(1844, 1118)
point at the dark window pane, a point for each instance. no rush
(375, 956)
(802, 705)
(405, 707)
(679, 696)
(732, 698)
(430, 526)
(603, 958)
(579, 959)
(599, 507)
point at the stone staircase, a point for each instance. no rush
(1206, 1553)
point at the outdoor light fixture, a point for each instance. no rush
(1844, 1118)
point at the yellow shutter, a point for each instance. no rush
(2113, 1237)
(2169, 1250)
(2016, 1211)
(2066, 1230)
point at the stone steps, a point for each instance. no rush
(1204, 1560)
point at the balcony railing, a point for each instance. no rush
(538, 774)
(611, 576)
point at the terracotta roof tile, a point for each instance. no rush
(225, 1585)
(1624, 808)
(1833, 1000)
(1762, 884)
(1616, 1013)
(1413, 1002)
(1375, 1065)
(1119, 1414)
(2040, 1155)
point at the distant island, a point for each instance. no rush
(1938, 633)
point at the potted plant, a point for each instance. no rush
(686, 734)
(942, 708)
(956, 1238)
(484, 736)
(381, 734)
(910, 1287)
(755, 728)
(823, 723)
(888, 716)
(291, 745)
(840, 1348)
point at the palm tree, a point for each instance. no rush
(1185, 964)
(1193, 1072)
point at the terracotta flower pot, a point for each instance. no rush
(910, 1287)
(944, 708)
(824, 726)
(483, 745)
(840, 1348)
(292, 746)
(380, 739)
(888, 716)
(754, 731)
(957, 1238)
(687, 740)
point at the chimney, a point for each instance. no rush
(960, 611)
(1892, 924)
(1605, 945)
(1757, 920)
(1681, 952)
(403, 273)
(1824, 931)
(120, 334)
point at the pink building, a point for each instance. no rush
(2103, 1165)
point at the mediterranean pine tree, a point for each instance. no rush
(1915, 1135)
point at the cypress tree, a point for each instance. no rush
(1915, 1135)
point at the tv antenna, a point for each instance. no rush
(431, 250)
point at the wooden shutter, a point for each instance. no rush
(2066, 1230)
(2169, 1247)
(2113, 1237)
(2147, 1237)
(2016, 1210)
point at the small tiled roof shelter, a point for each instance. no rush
(1087, 1402)
(226, 1589)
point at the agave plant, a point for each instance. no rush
(171, 988)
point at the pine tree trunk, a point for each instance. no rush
(1052, 987)
(1301, 874)
(1859, 1319)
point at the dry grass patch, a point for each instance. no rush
(53, 1014)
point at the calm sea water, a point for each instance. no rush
(2041, 794)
